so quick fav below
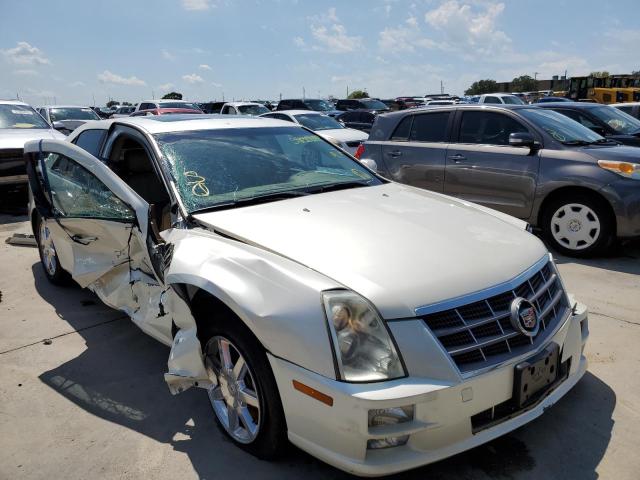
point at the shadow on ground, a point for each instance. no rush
(119, 378)
(622, 257)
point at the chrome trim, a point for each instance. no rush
(483, 294)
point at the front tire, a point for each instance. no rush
(48, 255)
(244, 397)
(578, 225)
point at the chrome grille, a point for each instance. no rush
(480, 334)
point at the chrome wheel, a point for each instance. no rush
(234, 392)
(47, 249)
(575, 226)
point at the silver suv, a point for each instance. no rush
(535, 164)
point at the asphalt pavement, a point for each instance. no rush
(82, 393)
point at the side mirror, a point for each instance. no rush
(370, 164)
(59, 126)
(522, 139)
(599, 130)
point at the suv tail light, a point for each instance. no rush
(359, 151)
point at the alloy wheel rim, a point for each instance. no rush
(233, 393)
(47, 249)
(575, 226)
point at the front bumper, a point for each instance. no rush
(442, 424)
(624, 196)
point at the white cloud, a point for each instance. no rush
(335, 39)
(108, 77)
(77, 84)
(167, 55)
(469, 28)
(204, 66)
(217, 85)
(299, 42)
(193, 78)
(165, 86)
(196, 4)
(404, 38)
(25, 54)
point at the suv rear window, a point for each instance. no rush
(430, 127)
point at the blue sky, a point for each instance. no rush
(75, 50)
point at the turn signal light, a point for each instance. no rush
(313, 393)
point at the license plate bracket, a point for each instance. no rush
(535, 375)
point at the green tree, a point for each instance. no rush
(110, 103)
(603, 74)
(358, 94)
(172, 96)
(524, 83)
(482, 86)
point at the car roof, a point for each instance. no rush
(240, 104)
(13, 102)
(572, 105)
(628, 104)
(185, 123)
(64, 106)
(297, 112)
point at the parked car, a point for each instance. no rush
(153, 104)
(605, 120)
(123, 111)
(101, 112)
(19, 123)
(166, 111)
(241, 244)
(439, 102)
(327, 127)
(500, 98)
(372, 104)
(315, 104)
(66, 118)
(632, 108)
(358, 119)
(553, 99)
(243, 108)
(211, 107)
(533, 163)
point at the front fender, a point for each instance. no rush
(278, 299)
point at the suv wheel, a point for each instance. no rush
(577, 225)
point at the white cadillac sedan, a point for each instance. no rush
(377, 326)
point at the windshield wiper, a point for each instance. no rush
(339, 186)
(576, 142)
(270, 197)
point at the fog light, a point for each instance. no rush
(390, 416)
(389, 442)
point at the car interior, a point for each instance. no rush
(131, 162)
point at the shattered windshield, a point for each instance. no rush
(220, 167)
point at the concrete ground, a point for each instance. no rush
(91, 402)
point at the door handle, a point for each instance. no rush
(457, 158)
(83, 239)
(395, 153)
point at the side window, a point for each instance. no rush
(402, 131)
(91, 141)
(144, 106)
(430, 127)
(77, 193)
(490, 128)
(492, 100)
(628, 110)
(280, 116)
(232, 111)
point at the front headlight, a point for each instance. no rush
(364, 349)
(624, 169)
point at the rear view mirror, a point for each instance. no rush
(522, 139)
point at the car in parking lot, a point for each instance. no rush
(349, 139)
(581, 189)
(153, 104)
(371, 104)
(66, 118)
(123, 111)
(166, 111)
(631, 108)
(315, 104)
(605, 120)
(358, 119)
(375, 325)
(499, 98)
(243, 108)
(19, 123)
(211, 107)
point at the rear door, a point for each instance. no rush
(483, 168)
(416, 152)
(100, 231)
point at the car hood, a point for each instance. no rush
(398, 246)
(621, 153)
(16, 137)
(344, 134)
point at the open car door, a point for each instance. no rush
(99, 230)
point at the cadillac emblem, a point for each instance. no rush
(524, 317)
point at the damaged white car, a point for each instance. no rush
(377, 326)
